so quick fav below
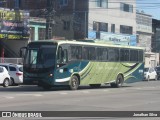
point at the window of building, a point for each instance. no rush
(66, 25)
(102, 3)
(32, 33)
(103, 27)
(126, 7)
(100, 26)
(96, 26)
(63, 2)
(126, 29)
(41, 33)
(113, 28)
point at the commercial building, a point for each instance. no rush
(144, 38)
(112, 21)
(156, 37)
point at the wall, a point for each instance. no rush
(15, 45)
(113, 15)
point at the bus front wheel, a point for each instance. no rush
(119, 82)
(74, 83)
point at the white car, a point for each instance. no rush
(4, 77)
(15, 71)
(150, 74)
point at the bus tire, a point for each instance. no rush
(119, 82)
(95, 85)
(74, 83)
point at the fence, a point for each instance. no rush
(11, 60)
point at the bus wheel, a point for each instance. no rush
(74, 83)
(118, 83)
(95, 85)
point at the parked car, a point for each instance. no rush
(150, 74)
(4, 77)
(15, 71)
(158, 72)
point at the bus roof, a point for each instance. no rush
(86, 42)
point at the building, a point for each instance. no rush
(71, 19)
(156, 37)
(112, 18)
(144, 38)
(9, 47)
(37, 28)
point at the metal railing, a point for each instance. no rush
(11, 60)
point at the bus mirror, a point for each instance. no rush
(22, 51)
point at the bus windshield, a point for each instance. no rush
(43, 57)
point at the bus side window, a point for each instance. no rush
(59, 55)
(65, 56)
(62, 55)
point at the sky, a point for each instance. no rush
(151, 7)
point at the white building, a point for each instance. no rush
(118, 16)
(144, 33)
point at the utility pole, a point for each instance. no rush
(49, 19)
(16, 8)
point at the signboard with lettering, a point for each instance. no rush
(118, 39)
(13, 30)
(13, 25)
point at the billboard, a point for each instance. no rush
(118, 39)
(14, 25)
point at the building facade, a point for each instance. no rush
(144, 38)
(156, 37)
(70, 19)
(112, 18)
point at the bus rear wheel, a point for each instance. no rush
(74, 83)
(95, 85)
(118, 83)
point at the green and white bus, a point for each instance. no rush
(50, 63)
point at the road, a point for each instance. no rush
(141, 96)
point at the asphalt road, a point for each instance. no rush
(141, 96)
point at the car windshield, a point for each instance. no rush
(146, 69)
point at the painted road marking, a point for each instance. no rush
(9, 97)
(63, 93)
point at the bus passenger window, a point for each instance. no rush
(76, 52)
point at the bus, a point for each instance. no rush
(49, 63)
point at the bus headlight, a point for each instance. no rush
(50, 75)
